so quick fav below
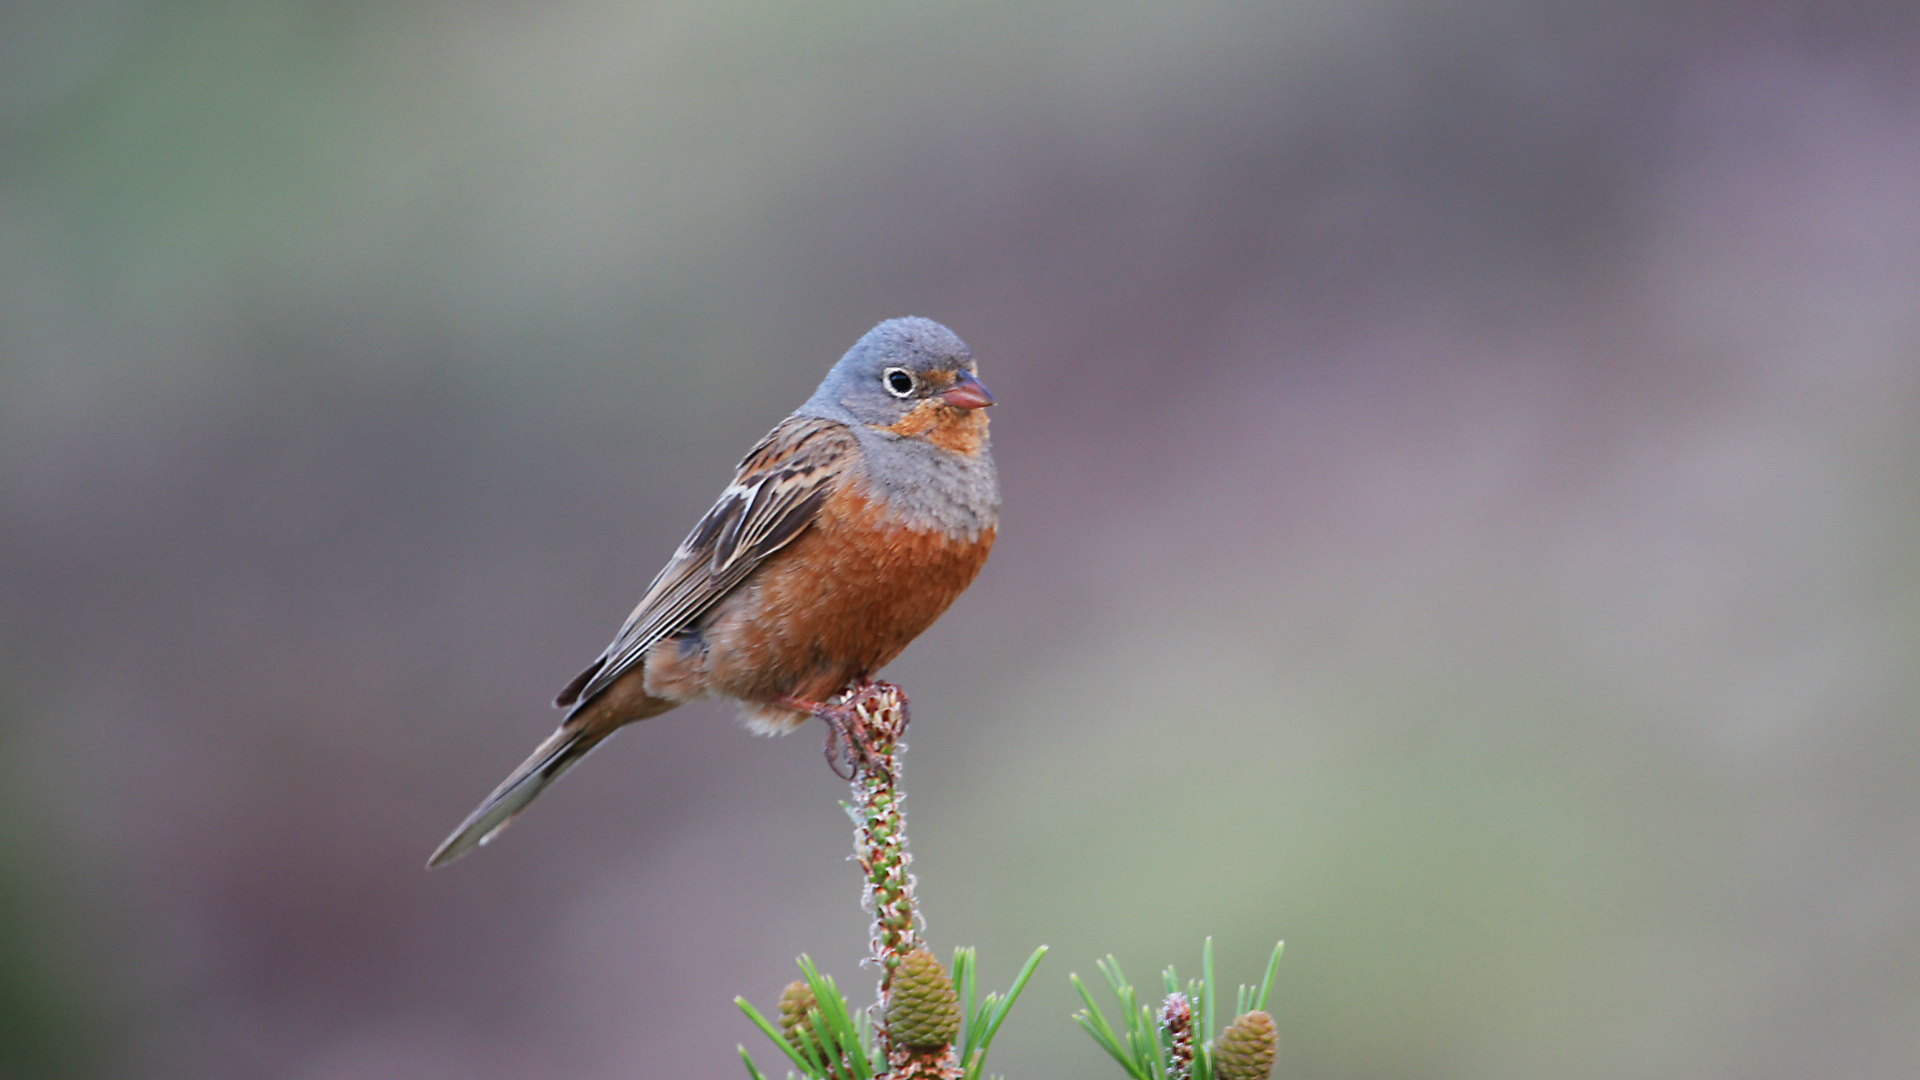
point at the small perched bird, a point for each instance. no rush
(845, 533)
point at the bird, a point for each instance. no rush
(845, 533)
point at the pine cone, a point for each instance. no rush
(795, 1001)
(922, 1010)
(1246, 1049)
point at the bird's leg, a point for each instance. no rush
(839, 717)
(844, 728)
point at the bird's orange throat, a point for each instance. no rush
(960, 431)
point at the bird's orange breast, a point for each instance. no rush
(839, 602)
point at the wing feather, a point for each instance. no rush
(778, 489)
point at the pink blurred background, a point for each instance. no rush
(1460, 468)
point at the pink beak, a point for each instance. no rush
(966, 392)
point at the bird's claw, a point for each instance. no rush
(848, 740)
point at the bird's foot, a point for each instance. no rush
(850, 739)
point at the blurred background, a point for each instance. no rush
(1461, 517)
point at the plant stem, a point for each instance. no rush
(879, 719)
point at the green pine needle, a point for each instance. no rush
(830, 1035)
(774, 1033)
(982, 1022)
(1206, 996)
(998, 1006)
(1266, 984)
(1094, 1021)
(748, 1062)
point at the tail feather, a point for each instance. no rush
(568, 744)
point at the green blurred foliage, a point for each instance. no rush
(56, 1020)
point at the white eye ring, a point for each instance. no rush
(899, 382)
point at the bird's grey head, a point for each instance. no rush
(894, 368)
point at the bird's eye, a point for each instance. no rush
(899, 380)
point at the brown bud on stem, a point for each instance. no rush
(1176, 1024)
(795, 1002)
(1247, 1048)
(923, 1011)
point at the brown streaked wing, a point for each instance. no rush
(775, 494)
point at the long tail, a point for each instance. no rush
(568, 744)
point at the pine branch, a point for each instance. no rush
(925, 1023)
